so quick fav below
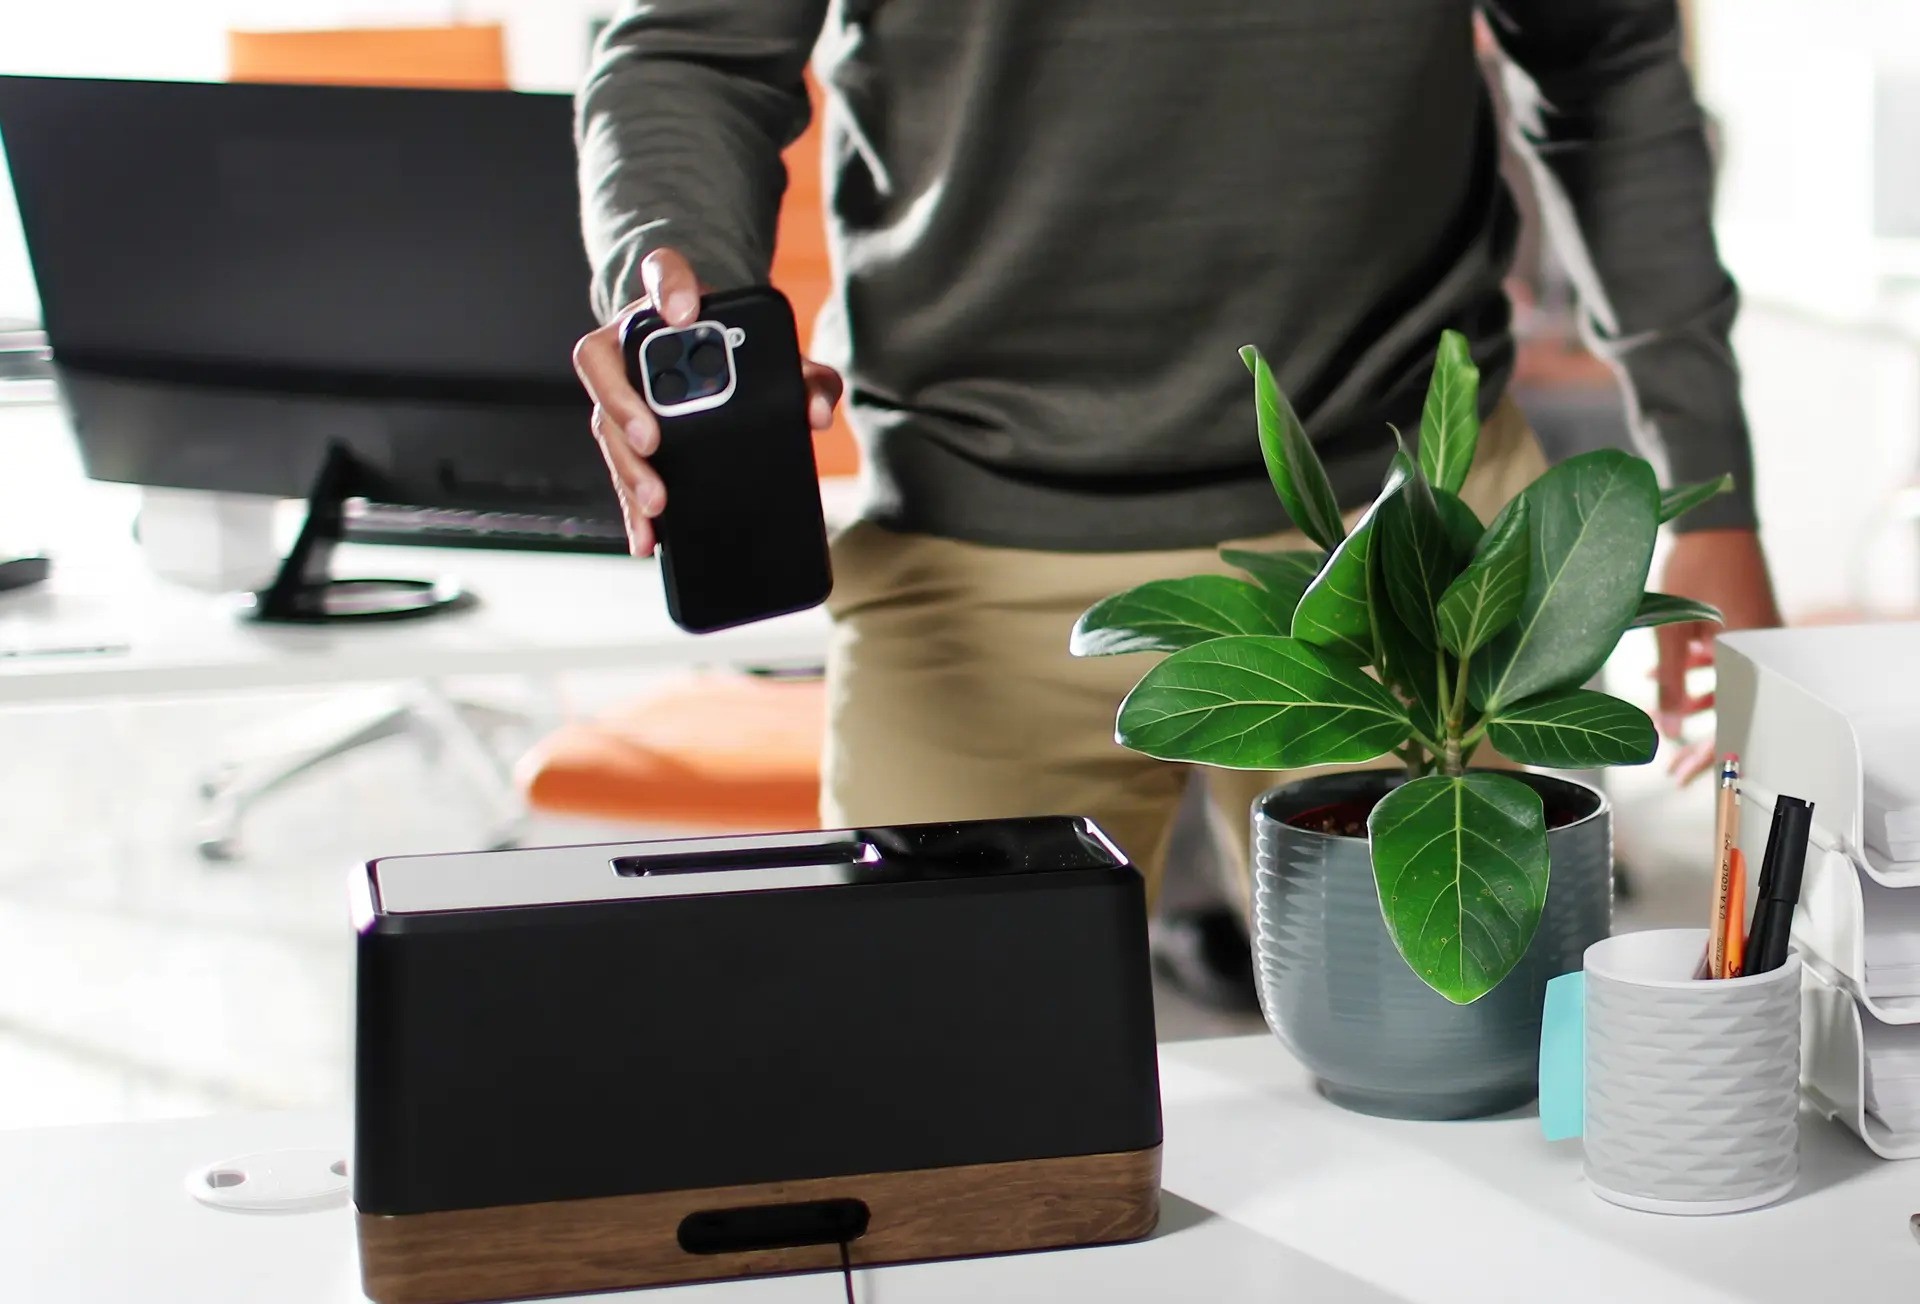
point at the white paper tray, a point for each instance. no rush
(1831, 924)
(1833, 1064)
(1785, 700)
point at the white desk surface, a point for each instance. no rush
(538, 613)
(1273, 1196)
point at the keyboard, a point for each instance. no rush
(444, 527)
(23, 353)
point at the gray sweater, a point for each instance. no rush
(1055, 221)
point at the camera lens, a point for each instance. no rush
(709, 358)
(669, 386)
(663, 351)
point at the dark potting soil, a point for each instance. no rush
(1348, 819)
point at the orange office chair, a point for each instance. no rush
(721, 752)
(468, 56)
(728, 752)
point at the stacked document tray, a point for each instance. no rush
(1832, 716)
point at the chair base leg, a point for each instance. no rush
(444, 727)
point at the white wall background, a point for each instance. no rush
(1835, 412)
(1829, 339)
(1800, 87)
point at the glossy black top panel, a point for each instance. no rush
(909, 853)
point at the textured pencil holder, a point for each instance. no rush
(1687, 1091)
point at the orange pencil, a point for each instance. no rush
(1737, 915)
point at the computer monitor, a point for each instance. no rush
(318, 291)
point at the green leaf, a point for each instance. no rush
(1295, 469)
(1573, 731)
(1418, 557)
(1412, 670)
(1333, 613)
(1285, 575)
(1450, 421)
(1665, 609)
(1464, 530)
(1461, 867)
(1255, 703)
(1167, 615)
(1486, 596)
(1681, 499)
(1594, 519)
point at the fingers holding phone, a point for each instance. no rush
(626, 428)
(670, 283)
(623, 425)
(626, 432)
(638, 487)
(824, 388)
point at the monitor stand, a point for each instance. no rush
(305, 592)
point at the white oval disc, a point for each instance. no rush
(275, 1181)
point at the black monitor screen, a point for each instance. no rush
(320, 230)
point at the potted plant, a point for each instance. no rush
(1407, 919)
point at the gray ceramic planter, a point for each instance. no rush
(1339, 996)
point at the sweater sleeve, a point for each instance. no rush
(1605, 114)
(680, 126)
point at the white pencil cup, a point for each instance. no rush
(1686, 1091)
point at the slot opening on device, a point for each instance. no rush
(696, 862)
(774, 1226)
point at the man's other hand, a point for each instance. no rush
(1728, 569)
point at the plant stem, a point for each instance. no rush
(1453, 758)
(1427, 742)
(1379, 648)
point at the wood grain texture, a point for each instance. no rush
(570, 1246)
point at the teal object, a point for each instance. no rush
(1563, 1057)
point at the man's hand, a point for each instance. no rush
(1727, 569)
(623, 423)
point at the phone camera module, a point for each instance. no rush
(669, 386)
(708, 358)
(689, 367)
(663, 351)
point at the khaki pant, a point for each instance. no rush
(951, 695)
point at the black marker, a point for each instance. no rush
(1780, 874)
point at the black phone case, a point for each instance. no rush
(742, 537)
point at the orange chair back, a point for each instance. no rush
(469, 56)
(802, 272)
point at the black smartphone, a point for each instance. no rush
(742, 537)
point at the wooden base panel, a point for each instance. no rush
(621, 1242)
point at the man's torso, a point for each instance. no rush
(1057, 223)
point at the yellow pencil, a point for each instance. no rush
(1726, 833)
